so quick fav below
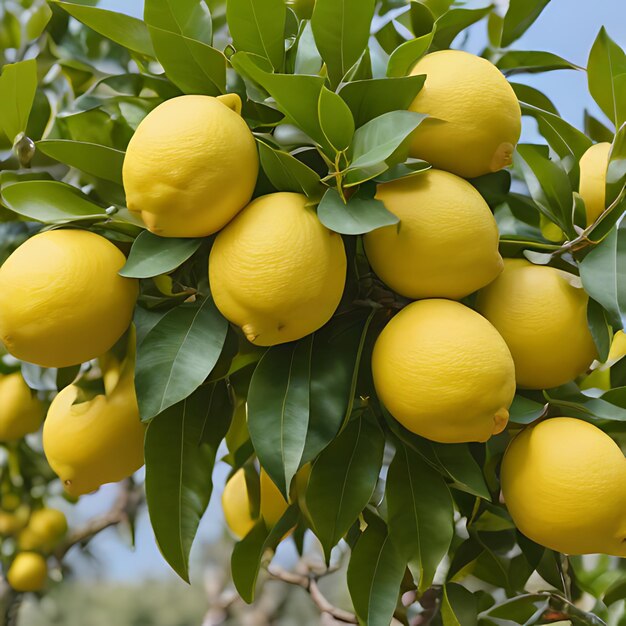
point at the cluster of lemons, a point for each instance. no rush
(444, 370)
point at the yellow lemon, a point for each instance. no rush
(446, 244)
(98, 441)
(564, 483)
(191, 166)
(543, 319)
(593, 165)
(62, 301)
(28, 572)
(20, 410)
(10, 523)
(276, 271)
(444, 372)
(45, 529)
(474, 117)
(236, 503)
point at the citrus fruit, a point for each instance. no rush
(593, 165)
(543, 319)
(276, 271)
(62, 301)
(46, 527)
(191, 165)
(21, 412)
(563, 482)
(474, 117)
(446, 244)
(28, 572)
(444, 372)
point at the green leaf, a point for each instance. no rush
(377, 140)
(600, 329)
(247, 553)
(286, 173)
(532, 62)
(372, 98)
(459, 607)
(422, 18)
(457, 462)
(596, 130)
(181, 444)
(91, 158)
(534, 97)
(610, 406)
(603, 273)
(420, 512)
(341, 29)
(606, 75)
(409, 168)
(177, 355)
(351, 463)
(375, 573)
(524, 410)
(360, 215)
(278, 409)
(181, 33)
(18, 84)
(451, 23)
(405, 56)
(152, 255)
(50, 202)
(616, 169)
(308, 59)
(336, 120)
(124, 30)
(519, 17)
(548, 184)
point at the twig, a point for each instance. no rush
(309, 583)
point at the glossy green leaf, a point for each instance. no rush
(18, 84)
(603, 273)
(453, 22)
(341, 29)
(124, 30)
(351, 463)
(606, 76)
(286, 173)
(420, 514)
(375, 572)
(181, 444)
(405, 56)
(408, 168)
(532, 62)
(362, 213)
(459, 607)
(610, 406)
(524, 410)
(534, 97)
(596, 130)
(372, 98)
(177, 355)
(519, 17)
(616, 169)
(181, 33)
(336, 120)
(258, 27)
(600, 329)
(308, 59)
(152, 255)
(422, 18)
(50, 202)
(91, 158)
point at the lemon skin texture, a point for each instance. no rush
(446, 244)
(543, 320)
(564, 484)
(95, 442)
(276, 271)
(46, 527)
(191, 166)
(475, 117)
(236, 504)
(21, 412)
(28, 572)
(593, 165)
(62, 301)
(444, 372)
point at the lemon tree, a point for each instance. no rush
(304, 238)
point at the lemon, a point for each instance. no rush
(44, 531)
(62, 301)
(191, 166)
(20, 410)
(236, 504)
(97, 441)
(474, 117)
(543, 319)
(593, 165)
(10, 523)
(28, 572)
(446, 244)
(563, 481)
(444, 372)
(276, 271)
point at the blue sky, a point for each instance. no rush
(567, 28)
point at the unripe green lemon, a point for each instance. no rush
(444, 372)
(21, 412)
(28, 572)
(474, 119)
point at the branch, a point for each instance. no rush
(309, 583)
